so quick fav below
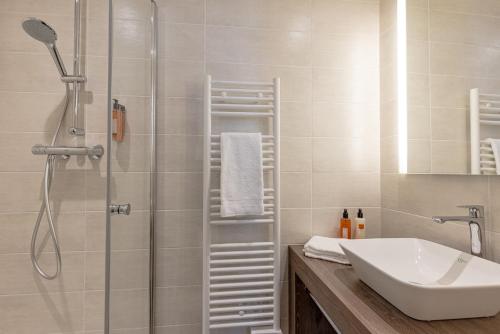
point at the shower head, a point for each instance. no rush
(42, 32)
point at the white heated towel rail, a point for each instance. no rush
(484, 113)
(241, 280)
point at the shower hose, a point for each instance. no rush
(45, 208)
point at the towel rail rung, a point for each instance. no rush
(242, 114)
(241, 300)
(243, 253)
(240, 277)
(240, 269)
(241, 293)
(242, 324)
(242, 221)
(243, 316)
(242, 261)
(242, 245)
(241, 308)
(241, 285)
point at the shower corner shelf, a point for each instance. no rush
(241, 280)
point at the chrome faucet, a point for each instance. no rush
(476, 222)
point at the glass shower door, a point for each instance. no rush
(129, 140)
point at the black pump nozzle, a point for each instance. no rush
(360, 213)
(345, 214)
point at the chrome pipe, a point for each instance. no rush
(153, 164)
(94, 152)
(75, 130)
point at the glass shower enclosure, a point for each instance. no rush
(131, 168)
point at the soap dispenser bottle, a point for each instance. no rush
(345, 226)
(360, 225)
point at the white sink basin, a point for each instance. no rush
(425, 280)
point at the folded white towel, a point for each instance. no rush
(495, 145)
(242, 184)
(326, 249)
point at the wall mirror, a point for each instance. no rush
(452, 111)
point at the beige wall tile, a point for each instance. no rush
(123, 9)
(188, 11)
(450, 124)
(179, 228)
(130, 37)
(389, 184)
(16, 230)
(345, 51)
(296, 154)
(185, 79)
(27, 72)
(180, 153)
(179, 305)
(129, 269)
(179, 267)
(356, 86)
(180, 41)
(346, 189)
(296, 119)
(41, 314)
(295, 190)
(17, 40)
(19, 277)
(387, 15)
(345, 155)
(345, 120)
(128, 309)
(419, 123)
(418, 90)
(389, 161)
(187, 194)
(419, 156)
(418, 56)
(345, 17)
(59, 7)
(296, 226)
(256, 46)
(417, 23)
(22, 191)
(450, 157)
(179, 329)
(184, 116)
(488, 7)
(291, 15)
(48, 107)
(128, 232)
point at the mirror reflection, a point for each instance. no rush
(453, 62)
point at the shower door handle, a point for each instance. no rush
(119, 209)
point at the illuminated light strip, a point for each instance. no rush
(402, 93)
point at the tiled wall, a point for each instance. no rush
(451, 49)
(408, 201)
(326, 53)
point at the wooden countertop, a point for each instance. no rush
(356, 308)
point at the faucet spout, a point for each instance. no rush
(476, 223)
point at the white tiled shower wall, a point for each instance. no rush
(326, 53)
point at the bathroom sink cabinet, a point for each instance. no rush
(353, 307)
